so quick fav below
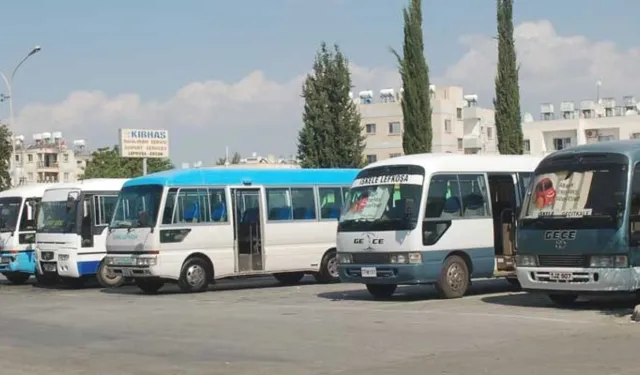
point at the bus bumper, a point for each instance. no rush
(407, 274)
(133, 266)
(578, 279)
(74, 265)
(18, 262)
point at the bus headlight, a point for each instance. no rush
(108, 261)
(526, 261)
(405, 258)
(146, 261)
(63, 257)
(345, 258)
(608, 261)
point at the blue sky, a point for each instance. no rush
(155, 48)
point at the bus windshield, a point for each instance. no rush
(9, 210)
(57, 217)
(383, 199)
(578, 196)
(137, 207)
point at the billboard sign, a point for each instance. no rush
(144, 143)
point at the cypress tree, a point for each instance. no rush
(331, 136)
(416, 102)
(507, 99)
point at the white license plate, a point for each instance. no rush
(49, 267)
(123, 261)
(560, 276)
(368, 272)
(126, 272)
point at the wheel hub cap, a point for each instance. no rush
(195, 275)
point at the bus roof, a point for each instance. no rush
(93, 184)
(627, 147)
(445, 162)
(25, 191)
(232, 176)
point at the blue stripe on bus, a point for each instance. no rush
(88, 267)
(240, 176)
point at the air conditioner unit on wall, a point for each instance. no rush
(592, 133)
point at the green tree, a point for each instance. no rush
(331, 135)
(507, 99)
(107, 163)
(235, 159)
(416, 102)
(5, 157)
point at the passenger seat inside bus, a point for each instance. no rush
(280, 213)
(219, 212)
(193, 213)
(330, 211)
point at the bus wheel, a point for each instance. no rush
(17, 278)
(72, 282)
(291, 278)
(149, 286)
(563, 300)
(107, 280)
(382, 290)
(328, 268)
(46, 280)
(195, 276)
(454, 278)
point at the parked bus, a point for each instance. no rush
(71, 231)
(579, 229)
(195, 226)
(438, 219)
(18, 208)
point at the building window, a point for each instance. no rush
(17, 157)
(30, 176)
(527, 146)
(395, 155)
(395, 128)
(370, 128)
(371, 158)
(65, 157)
(30, 158)
(604, 138)
(489, 133)
(459, 113)
(447, 126)
(635, 135)
(561, 143)
(66, 177)
(460, 145)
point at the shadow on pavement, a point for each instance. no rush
(617, 306)
(261, 282)
(418, 293)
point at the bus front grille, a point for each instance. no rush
(575, 261)
(370, 258)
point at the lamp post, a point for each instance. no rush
(9, 83)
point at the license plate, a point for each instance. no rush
(123, 261)
(560, 276)
(49, 267)
(127, 272)
(368, 272)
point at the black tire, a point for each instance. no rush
(149, 286)
(453, 281)
(328, 269)
(563, 300)
(291, 278)
(194, 276)
(72, 282)
(17, 278)
(382, 290)
(46, 280)
(514, 283)
(107, 281)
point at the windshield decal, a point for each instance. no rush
(562, 194)
(408, 179)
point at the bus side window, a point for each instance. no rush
(28, 219)
(86, 230)
(443, 205)
(330, 202)
(634, 213)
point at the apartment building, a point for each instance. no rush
(459, 124)
(591, 121)
(48, 159)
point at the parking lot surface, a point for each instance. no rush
(258, 327)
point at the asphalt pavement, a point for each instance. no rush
(257, 327)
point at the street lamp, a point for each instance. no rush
(9, 83)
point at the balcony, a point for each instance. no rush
(48, 166)
(472, 142)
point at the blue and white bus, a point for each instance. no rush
(438, 219)
(195, 226)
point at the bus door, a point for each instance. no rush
(248, 229)
(504, 191)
